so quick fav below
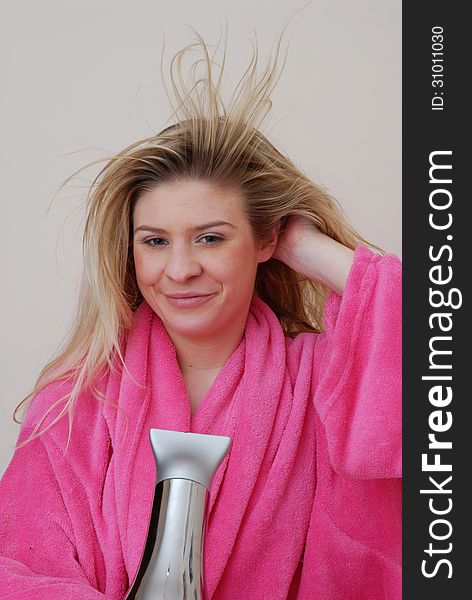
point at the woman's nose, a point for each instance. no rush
(181, 263)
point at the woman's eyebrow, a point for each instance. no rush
(195, 228)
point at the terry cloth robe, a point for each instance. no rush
(305, 506)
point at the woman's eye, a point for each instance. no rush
(210, 239)
(159, 242)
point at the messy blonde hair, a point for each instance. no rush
(208, 141)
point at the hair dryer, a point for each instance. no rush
(171, 565)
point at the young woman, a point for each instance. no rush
(223, 293)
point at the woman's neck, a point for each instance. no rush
(208, 355)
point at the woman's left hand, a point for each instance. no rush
(290, 246)
(305, 249)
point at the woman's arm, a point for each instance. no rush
(357, 398)
(38, 553)
(358, 367)
(315, 255)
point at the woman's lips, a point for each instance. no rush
(187, 301)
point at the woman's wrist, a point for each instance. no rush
(323, 259)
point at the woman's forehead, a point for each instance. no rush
(195, 203)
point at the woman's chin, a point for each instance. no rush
(196, 326)
(204, 322)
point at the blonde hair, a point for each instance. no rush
(212, 142)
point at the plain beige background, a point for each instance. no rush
(80, 79)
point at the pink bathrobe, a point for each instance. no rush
(305, 506)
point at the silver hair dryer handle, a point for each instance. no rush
(171, 566)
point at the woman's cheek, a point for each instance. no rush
(146, 270)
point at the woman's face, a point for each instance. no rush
(195, 257)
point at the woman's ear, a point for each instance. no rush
(268, 247)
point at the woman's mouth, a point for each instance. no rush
(187, 300)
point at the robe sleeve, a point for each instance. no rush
(39, 557)
(358, 397)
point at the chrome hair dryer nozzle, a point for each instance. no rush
(171, 566)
